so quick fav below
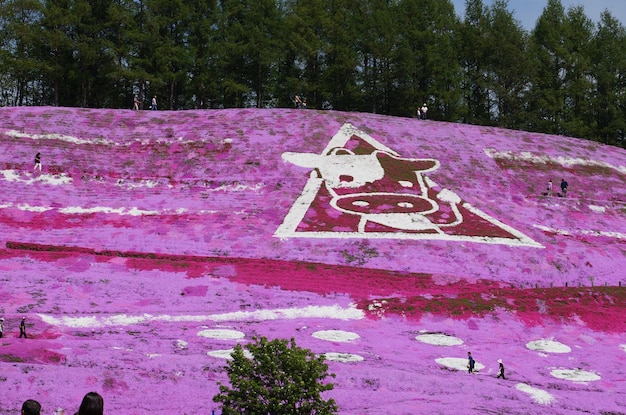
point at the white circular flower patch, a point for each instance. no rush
(343, 357)
(457, 363)
(549, 346)
(222, 334)
(439, 339)
(181, 344)
(537, 395)
(623, 347)
(228, 354)
(335, 335)
(575, 375)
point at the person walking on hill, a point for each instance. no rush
(37, 162)
(1, 327)
(549, 188)
(564, 187)
(470, 363)
(136, 103)
(23, 328)
(153, 107)
(500, 370)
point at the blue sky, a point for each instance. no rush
(528, 11)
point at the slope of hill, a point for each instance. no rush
(151, 242)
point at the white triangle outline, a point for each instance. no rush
(288, 228)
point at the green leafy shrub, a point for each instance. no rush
(276, 377)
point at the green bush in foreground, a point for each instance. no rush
(278, 378)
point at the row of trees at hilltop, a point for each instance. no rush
(566, 76)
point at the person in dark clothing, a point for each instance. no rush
(23, 328)
(470, 363)
(501, 370)
(92, 404)
(564, 187)
(31, 407)
(37, 162)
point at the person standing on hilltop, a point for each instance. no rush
(549, 188)
(136, 103)
(1, 327)
(423, 111)
(153, 107)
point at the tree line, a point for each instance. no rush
(565, 76)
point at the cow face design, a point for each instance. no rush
(360, 188)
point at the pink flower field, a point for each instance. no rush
(151, 243)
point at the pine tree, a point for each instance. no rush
(474, 58)
(608, 106)
(577, 77)
(547, 97)
(509, 66)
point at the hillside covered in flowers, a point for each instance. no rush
(151, 242)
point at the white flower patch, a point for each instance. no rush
(548, 345)
(51, 179)
(149, 184)
(330, 312)
(133, 211)
(59, 137)
(597, 209)
(537, 395)
(238, 187)
(586, 232)
(438, 339)
(575, 375)
(123, 211)
(10, 175)
(343, 357)
(335, 335)
(28, 208)
(222, 334)
(228, 354)
(376, 305)
(564, 161)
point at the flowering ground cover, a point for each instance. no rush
(152, 242)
